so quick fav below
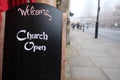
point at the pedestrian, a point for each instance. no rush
(78, 25)
(73, 26)
(83, 27)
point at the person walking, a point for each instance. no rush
(73, 26)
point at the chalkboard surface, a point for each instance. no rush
(32, 43)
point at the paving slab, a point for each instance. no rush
(81, 61)
(94, 53)
(113, 74)
(86, 73)
(106, 62)
(114, 52)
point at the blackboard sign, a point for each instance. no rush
(32, 43)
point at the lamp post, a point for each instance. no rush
(97, 20)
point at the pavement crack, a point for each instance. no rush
(104, 74)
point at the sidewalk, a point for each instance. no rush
(91, 59)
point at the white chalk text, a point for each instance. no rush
(23, 35)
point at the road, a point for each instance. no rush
(106, 34)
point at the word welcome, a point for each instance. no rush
(31, 11)
(23, 35)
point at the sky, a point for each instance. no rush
(83, 8)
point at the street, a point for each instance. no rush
(106, 34)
